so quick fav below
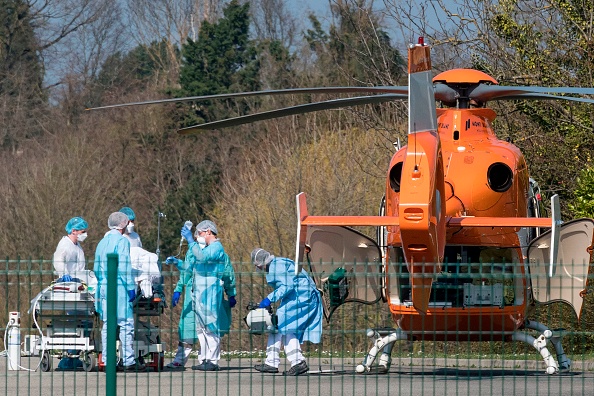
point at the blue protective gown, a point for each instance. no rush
(212, 274)
(187, 321)
(114, 242)
(300, 310)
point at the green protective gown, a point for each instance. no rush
(187, 321)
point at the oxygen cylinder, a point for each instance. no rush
(14, 340)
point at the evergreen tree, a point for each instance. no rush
(221, 60)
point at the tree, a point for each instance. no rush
(356, 47)
(222, 60)
(357, 50)
(173, 21)
(549, 46)
(21, 74)
(122, 74)
(583, 203)
(275, 32)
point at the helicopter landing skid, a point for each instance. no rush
(384, 341)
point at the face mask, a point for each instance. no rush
(130, 228)
(201, 242)
(81, 237)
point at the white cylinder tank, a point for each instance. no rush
(14, 341)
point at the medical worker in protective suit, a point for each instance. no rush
(69, 258)
(187, 321)
(299, 313)
(129, 232)
(115, 242)
(212, 275)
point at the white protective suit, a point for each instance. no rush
(134, 239)
(68, 257)
(145, 269)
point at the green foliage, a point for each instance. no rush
(138, 64)
(222, 60)
(583, 203)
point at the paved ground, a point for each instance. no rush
(406, 377)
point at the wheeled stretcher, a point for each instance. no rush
(64, 313)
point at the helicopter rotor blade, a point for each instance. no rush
(545, 97)
(293, 110)
(484, 93)
(318, 90)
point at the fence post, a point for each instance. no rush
(112, 295)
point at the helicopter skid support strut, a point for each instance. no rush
(384, 341)
(540, 344)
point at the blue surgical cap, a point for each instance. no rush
(128, 212)
(76, 223)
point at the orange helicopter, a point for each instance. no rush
(460, 253)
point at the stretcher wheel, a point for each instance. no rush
(46, 362)
(89, 362)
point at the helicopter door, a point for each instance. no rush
(570, 280)
(345, 264)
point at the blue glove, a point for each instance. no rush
(131, 295)
(265, 303)
(171, 260)
(187, 234)
(65, 278)
(232, 301)
(175, 299)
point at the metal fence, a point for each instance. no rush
(366, 348)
